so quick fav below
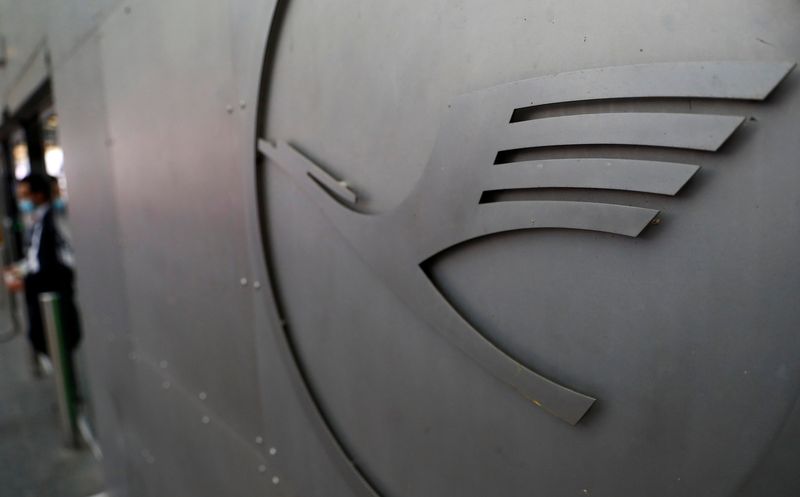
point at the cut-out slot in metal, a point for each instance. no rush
(663, 178)
(622, 152)
(690, 131)
(617, 106)
(294, 162)
(610, 218)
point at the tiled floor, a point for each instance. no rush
(33, 460)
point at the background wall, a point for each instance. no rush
(24, 27)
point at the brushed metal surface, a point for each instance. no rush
(442, 211)
(628, 320)
(218, 275)
(83, 132)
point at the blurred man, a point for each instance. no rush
(47, 266)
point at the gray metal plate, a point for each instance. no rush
(685, 334)
(644, 325)
(101, 292)
(185, 303)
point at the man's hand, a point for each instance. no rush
(13, 280)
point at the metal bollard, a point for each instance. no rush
(59, 356)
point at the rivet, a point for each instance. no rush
(259, 440)
(656, 221)
(256, 285)
(202, 396)
(243, 281)
(262, 469)
(273, 451)
(242, 104)
(229, 109)
(206, 420)
(163, 364)
(276, 480)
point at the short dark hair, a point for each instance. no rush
(39, 183)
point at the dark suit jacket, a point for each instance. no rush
(53, 276)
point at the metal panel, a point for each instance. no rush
(296, 313)
(169, 173)
(70, 24)
(204, 454)
(633, 322)
(83, 133)
(203, 329)
(442, 213)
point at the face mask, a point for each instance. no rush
(59, 205)
(26, 206)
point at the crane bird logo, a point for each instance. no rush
(445, 208)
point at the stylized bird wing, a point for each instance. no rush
(446, 208)
(484, 126)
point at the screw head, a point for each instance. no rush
(206, 420)
(256, 285)
(273, 451)
(243, 281)
(259, 440)
(275, 480)
(242, 104)
(262, 469)
(202, 396)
